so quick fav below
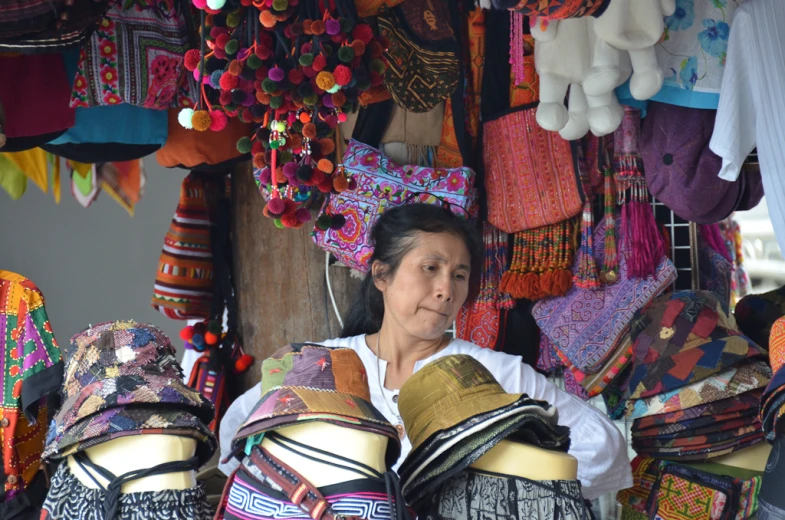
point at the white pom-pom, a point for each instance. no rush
(184, 118)
(216, 4)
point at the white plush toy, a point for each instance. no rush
(566, 55)
(634, 26)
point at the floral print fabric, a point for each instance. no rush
(135, 56)
(692, 52)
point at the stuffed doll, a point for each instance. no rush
(565, 55)
(634, 26)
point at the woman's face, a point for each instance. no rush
(424, 295)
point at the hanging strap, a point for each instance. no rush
(113, 490)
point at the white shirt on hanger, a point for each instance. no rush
(599, 446)
(751, 110)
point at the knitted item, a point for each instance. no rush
(541, 262)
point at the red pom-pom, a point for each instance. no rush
(219, 53)
(363, 33)
(326, 185)
(296, 77)
(257, 148)
(319, 63)
(222, 40)
(342, 75)
(289, 220)
(303, 215)
(219, 120)
(186, 333)
(228, 82)
(243, 363)
(192, 58)
(225, 98)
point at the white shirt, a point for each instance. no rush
(751, 110)
(599, 446)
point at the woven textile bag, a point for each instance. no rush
(184, 281)
(381, 185)
(586, 326)
(135, 56)
(423, 68)
(530, 176)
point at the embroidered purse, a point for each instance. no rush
(530, 176)
(587, 325)
(381, 185)
(422, 55)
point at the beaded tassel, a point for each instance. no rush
(586, 275)
(517, 47)
(644, 247)
(610, 267)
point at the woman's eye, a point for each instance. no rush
(460, 276)
(430, 267)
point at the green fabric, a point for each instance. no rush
(721, 469)
(12, 178)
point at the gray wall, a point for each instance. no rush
(92, 264)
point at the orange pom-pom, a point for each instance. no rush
(201, 120)
(280, 178)
(235, 68)
(258, 161)
(327, 146)
(263, 97)
(325, 80)
(325, 165)
(339, 99)
(340, 183)
(295, 142)
(307, 26)
(317, 27)
(305, 117)
(243, 363)
(267, 19)
(210, 338)
(359, 47)
(309, 131)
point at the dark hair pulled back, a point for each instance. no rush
(393, 236)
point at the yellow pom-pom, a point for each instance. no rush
(201, 120)
(325, 80)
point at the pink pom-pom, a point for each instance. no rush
(303, 215)
(276, 207)
(342, 117)
(276, 74)
(200, 4)
(219, 120)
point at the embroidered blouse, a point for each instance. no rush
(599, 446)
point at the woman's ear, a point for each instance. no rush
(379, 280)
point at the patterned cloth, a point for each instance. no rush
(69, 499)
(587, 325)
(724, 385)
(113, 365)
(773, 403)
(136, 56)
(32, 370)
(756, 313)
(683, 338)
(556, 9)
(472, 495)
(314, 383)
(777, 345)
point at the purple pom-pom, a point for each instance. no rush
(290, 170)
(328, 101)
(264, 176)
(249, 100)
(333, 27)
(276, 74)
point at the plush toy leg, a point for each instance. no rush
(605, 72)
(647, 76)
(543, 30)
(668, 7)
(578, 125)
(551, 113)
(605, 114)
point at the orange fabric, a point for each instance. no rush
(777, 344)
(191, 148)
(528, 91)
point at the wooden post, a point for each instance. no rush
(279, 280)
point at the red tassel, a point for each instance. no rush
(645, 244)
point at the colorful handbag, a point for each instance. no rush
(135, 56)
(423, 65)
(381, 185)
(587, 325)
(530, 175)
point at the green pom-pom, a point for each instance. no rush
(284, 156)
(253, 62)
(327, 49)
(346, 54)
(363, 85)
(214, 327)
(276, 102)
(297, 127)
(323, 222)
(233, 20)
(244, 145)
(311, 100)
(278, 223)
(232, 46)
(346, 25)
(269, 85)
(306, 60)
(231, 107)
(280, 5)
(377, 66)
(274, 144)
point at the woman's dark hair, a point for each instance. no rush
(393, 237)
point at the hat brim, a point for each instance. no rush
(281, 407)
(158, 391)
(129, 421)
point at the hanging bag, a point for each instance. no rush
(381, 185)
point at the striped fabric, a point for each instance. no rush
(184, 281)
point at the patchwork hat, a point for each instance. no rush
(454, 412)
(681, 170)
(682, 338)
(756, 313)
(303, 382)
(117, 364)
(127, 421)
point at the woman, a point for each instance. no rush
(423, 260)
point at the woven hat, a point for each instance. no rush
(756, 313)
(455, 411)
(681, 170)
(303, 382)
(117, 364)
(682, 338)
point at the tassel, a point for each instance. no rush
(517, 48)
(713, 236)
(610, 267)
(586, 275)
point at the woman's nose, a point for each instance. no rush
(444, 291)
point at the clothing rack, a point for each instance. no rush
(683, 247)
